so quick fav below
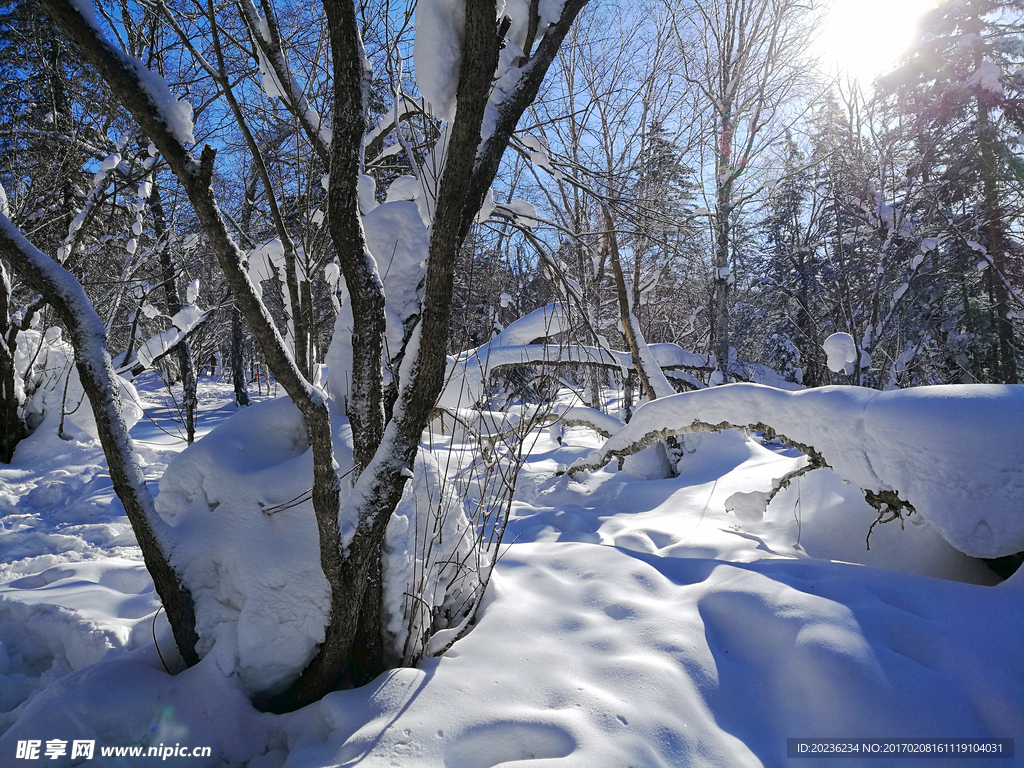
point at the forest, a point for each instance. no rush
(461, 383)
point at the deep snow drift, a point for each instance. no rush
(630, 622)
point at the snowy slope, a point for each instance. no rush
(630, 623)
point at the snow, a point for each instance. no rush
(437, 53)
(183, 323)
(367, 191)
(398, 242)
(176, 114)
(158, 344)
(111, 162)
(986, 78)
(524, 213)
(187, 318)
(264, 263)
(629, 622)
(468, 372)
(250, 558)
(954, 452)
(540, 324)
(404, 188)
(56, 387)
(842, 352)
(268, 78)
(487, 208)
(600, 422)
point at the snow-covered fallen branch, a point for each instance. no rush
(953, 452)
(518, 346)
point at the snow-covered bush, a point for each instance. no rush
(246, 543)
(435, 568)
(50, 386)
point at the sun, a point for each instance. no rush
(865, 38)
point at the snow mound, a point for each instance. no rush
(954, 452)
(247, 542)
(630, 623)
(131, 701)
(55, 384)
(595, 655)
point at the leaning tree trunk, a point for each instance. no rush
(88, 337)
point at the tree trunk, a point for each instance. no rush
(186, 365)
(652, 380)
(366, 397)
(237, 359)
(12, 430)
(92, 359)
(383, 455)
(720, 279)
(995, 243)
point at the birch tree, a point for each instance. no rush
(745, 62)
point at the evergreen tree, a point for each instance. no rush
(961, 89)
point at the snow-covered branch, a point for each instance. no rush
(889, 443)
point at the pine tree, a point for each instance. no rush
(960, 86)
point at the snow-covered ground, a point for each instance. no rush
(629, 622)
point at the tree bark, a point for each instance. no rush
(720, 279)
(366, 398)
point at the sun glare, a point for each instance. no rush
(865, 38)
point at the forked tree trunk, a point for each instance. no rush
(384, 456)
